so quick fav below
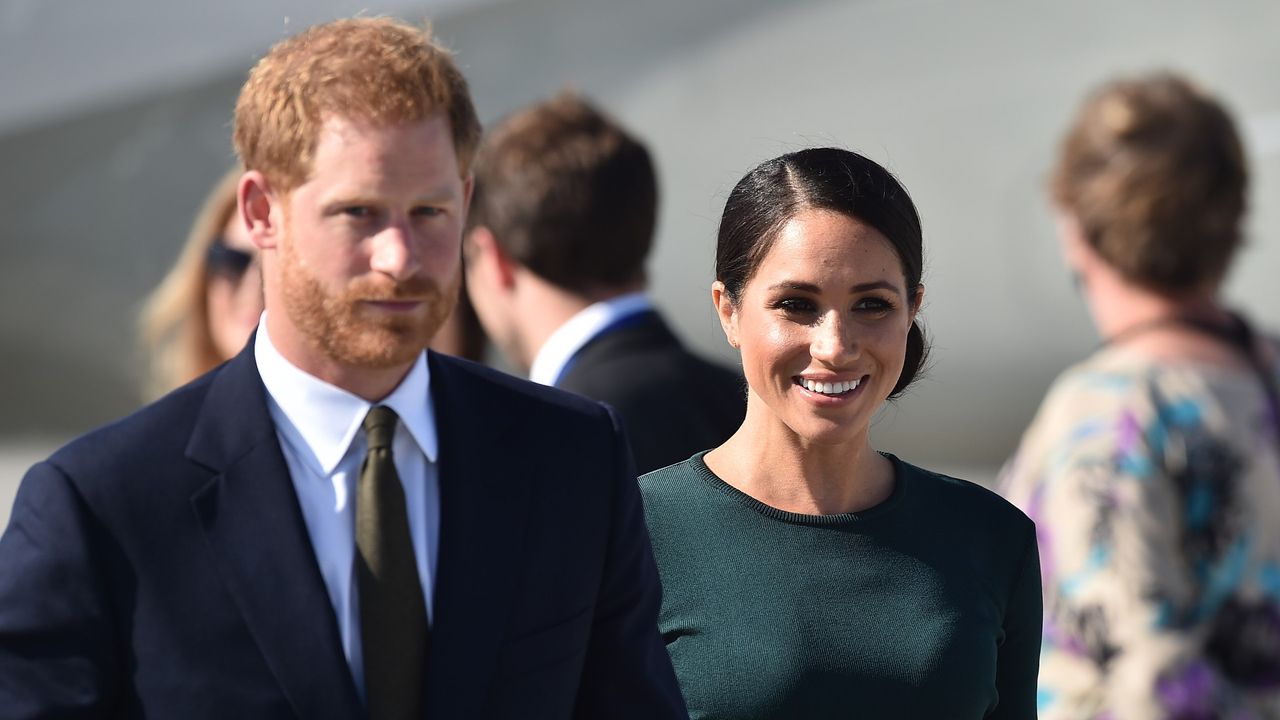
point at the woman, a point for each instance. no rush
(207, 306)
(1151, 470)
(805, 574)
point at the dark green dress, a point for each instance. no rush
(925, 606)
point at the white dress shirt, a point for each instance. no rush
(319, 427)
(554, 355)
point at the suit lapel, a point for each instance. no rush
(483, 498)
(255, 530)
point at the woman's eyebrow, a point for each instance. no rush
(798, 286)
(875, 285)
(795, 285)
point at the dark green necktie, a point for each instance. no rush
(393, 616)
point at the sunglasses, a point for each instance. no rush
(227, 261)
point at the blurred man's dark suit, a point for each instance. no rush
(672, 402)
(160, 567)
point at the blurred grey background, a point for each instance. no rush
(115, 120)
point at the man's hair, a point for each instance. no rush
(569, 194)
(376, 70)
(1154, 172)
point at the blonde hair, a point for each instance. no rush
(174, 321)
(378, 70)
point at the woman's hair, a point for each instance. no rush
(175, 317)
(831, 179)
(1154, 173)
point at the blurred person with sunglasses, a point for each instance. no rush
(204, 310)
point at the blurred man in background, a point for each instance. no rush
(561, 225)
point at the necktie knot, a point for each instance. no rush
(380, 427)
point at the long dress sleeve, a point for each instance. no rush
(1019, 656)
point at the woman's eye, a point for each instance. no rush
(795, 306)
(873, 305)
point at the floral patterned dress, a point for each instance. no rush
(1155, 489)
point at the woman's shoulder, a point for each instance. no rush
(675, 485)
(1091, 394)
(673, 476)
(971, 503)
(963, 524)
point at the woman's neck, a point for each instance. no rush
(768, 461)
(1147, 323)
(1118, 305)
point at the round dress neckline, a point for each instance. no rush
(900, 487)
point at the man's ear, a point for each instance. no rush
(726, 311)
(260, 210)
(486, 256)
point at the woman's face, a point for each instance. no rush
(234, 290)
(822, 326)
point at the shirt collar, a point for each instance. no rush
(328, 418)
(580, 329)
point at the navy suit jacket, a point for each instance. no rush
(672, 402)
(159, 567)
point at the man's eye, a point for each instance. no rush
(359, 212)
(427, 211)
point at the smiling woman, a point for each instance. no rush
(804, 573)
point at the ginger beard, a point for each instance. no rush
(350, 332)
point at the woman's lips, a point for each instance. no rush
(830, 390)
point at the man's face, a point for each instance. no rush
(368, 260)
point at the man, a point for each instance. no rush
(562, 222)
(336, 523)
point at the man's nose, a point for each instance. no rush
(395, 253)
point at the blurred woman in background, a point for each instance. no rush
(207, 306)
(1152, 469)
(805, 574)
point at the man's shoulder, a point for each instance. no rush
(153, 429)
(505, 393)
(136, 461)
(610, 371)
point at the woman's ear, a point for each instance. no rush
(917, 301)
(726, 311)
(1075, 249)
(1082, 260)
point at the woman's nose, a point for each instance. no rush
(833, 341)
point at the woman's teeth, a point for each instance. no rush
(826, 388)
